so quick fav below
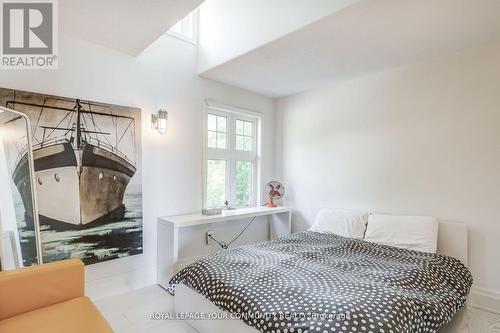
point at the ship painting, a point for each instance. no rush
(80, 180)
(85, 156)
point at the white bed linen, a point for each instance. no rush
(418, 233)
(342, 222)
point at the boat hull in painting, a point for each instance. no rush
(78, 188)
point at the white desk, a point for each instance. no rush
(168, 233)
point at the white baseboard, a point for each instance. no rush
(485, 299)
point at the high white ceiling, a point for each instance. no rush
(128, 26)
(230, 28)
(366, 36)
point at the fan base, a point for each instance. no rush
(270, 203)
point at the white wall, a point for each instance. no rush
(164, 75)
(420, 139)
(230, 28)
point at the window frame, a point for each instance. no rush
(196, 24)
(231, 155)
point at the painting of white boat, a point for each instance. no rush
(87, 176)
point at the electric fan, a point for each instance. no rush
(274, 190)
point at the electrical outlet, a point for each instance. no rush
(210, 240)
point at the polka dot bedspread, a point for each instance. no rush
(313, 282)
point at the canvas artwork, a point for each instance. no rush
(87, 159)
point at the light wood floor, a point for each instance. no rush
(129, 313)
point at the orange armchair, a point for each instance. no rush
(48, 298)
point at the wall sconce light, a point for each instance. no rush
(159, 121)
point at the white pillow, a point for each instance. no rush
(342, 222)
(418, 233)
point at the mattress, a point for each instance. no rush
(313, 282)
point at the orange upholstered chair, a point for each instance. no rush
(48, 298)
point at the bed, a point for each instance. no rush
(313, 282)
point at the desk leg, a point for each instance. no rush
(280, 225)
(168, 253)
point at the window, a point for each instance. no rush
(216, 182)
(244, 175)
(187, 28)
(232, 159)
(217, 131)
(244, 135)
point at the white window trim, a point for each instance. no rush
(196, 24)
(254, 156)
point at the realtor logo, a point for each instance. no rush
(29, 34)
